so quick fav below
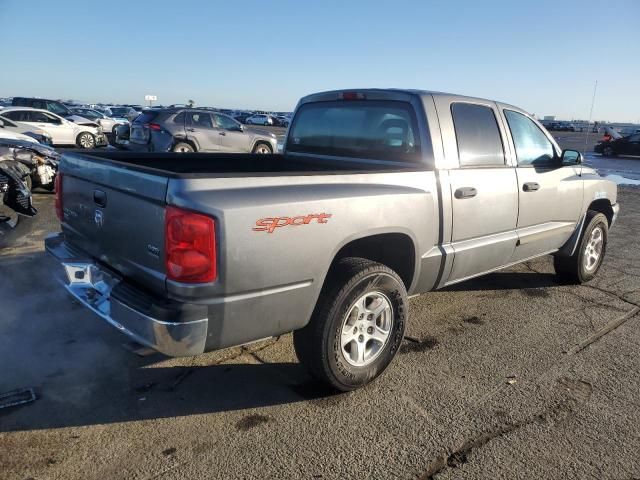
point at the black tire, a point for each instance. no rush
(183, 147)
(608, 152)
(318, 345)
(578, 268)
(262, 147)
(86, 140)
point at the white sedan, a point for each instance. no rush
(61, 130)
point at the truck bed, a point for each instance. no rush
(197, 165)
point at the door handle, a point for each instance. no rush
(530, 187)
(223, 133)
(465, 192)
(191, 130)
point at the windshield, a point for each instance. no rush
(382, 130)
(119, 111)
(58, 109)
(88, 113)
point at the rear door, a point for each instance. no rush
(550, 194)
(201, 130)
(232, 137)
(483, 186)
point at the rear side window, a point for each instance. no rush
(179, 119)
(199, 119)
(478, 136)
(380, 130)
(17, 115)
(532, 146)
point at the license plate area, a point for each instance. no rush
(91, 285)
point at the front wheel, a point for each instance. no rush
(262, 148)
(583, 265)
(183, 147)
(357, 326)
(86, 140)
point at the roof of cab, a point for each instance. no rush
(391, 94)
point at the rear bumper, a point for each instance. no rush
(146, 319)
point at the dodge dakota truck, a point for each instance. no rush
(378, 194)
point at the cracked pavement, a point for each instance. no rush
(510, 375)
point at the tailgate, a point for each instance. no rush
(116, 215)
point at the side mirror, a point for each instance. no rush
(571, 157)
(240, 127)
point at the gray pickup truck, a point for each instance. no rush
(378, 194)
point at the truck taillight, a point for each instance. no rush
(190, 246)
(58, 201)
(353, 96)
(155, 126)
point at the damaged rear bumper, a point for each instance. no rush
(173, 328)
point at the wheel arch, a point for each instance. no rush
(601, 205)
(396, 250)
(190, 141)
(263, 142)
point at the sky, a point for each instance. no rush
(543, 56)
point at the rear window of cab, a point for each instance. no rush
(367, 129)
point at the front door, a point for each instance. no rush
(484, 192)
(61, 132)
(232, 136)
(550, 193)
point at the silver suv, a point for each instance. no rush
(196, 130)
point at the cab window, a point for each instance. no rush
(532, 145)
(478, 136)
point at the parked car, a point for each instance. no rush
(41, 161)
(259, 119)
(35, 133)
(379, 194)
(107, 123)
(195, 130)
(14, 190)
(53, 106)
(9, 135)
(122, 134)
(622, 146)
(61, 130)
(242, 117)
(127, 113)
(281, 121)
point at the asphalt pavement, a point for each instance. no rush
(511, 375)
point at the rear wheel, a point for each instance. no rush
(357, 326)
(583, 265)
(183, 147)
(86, 140)
(262, 148)
(608, 152)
